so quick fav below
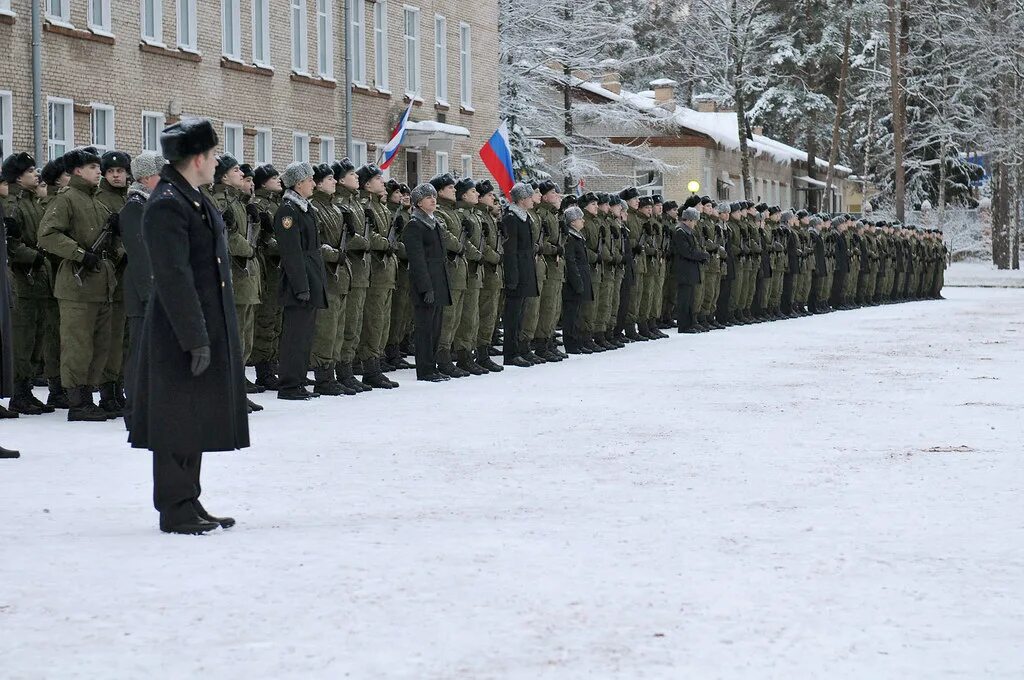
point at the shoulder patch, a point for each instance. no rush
(287, 223)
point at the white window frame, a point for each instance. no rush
(357, 30)
(327, 154)
(161, 121)
(5, 7)
(64, 9)
(236, 149)
(709, 179)
(441, 59)
(68, 142)
(466, 65)
(380, 46)
(359, 153)
(325, 38)
(103, 26)
(300, 147)
(261, 33)
(300, 29)
(231, 18)
(108, 125)
(467, 165)
(158, 23)
(441, 163)
(267, 137)
(413, 76)
(6, 124)
(187, 22)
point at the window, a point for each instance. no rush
(264, 146)
(467, 166)
(327, 150)
(233, 140)
(412, 51)
(441, 162)
(380, 45)
(300, 147)
(649, 182)
(357, 29)
(358, 154)
(61, 127)
(708, 177)
(5, 6)
(325, 38)
(153, 21)
(152, 124)
(299, 58)
(59, 11)
(466, 66)
(261, 32)
(6, 125)
(103, 127)
(441, 59)
(99, 16)
(232, 29)
(187, 25)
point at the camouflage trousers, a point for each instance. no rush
(590, 308)
(84, 342)
(267, 333)
(36, 329)
(469, 325)
(353, 324)
(329, 333)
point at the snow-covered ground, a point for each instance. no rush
(983, 274)
(828, 497)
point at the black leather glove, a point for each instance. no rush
(91, 261)
(40, 259)
(428, 297)
(12, 228)
(266, 221)
(229, 218)
(200, 360)
(253, 211)
(303, 296)
(114, 224)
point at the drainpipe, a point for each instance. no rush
(348, 83)
(37, 82)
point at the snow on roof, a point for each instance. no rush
(434, 126)
(663, 82)
(719, 126)
(810, 180)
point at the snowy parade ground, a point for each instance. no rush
(826, 497)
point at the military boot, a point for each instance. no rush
(446, 367)
(553, 345)
(5, 414)
(266, 375)
(483, 360)
(541, 349)
(348, 379)
(22, 401)
(466, 363)
(531, 356)
(374, 377)
(325, 384)
(613, 340)
(81, 406)
(108, 400)
(395, 358)
(9, 453)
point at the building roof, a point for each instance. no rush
(721, 127)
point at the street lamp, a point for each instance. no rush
(693, 186)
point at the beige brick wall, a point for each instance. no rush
(132, 80)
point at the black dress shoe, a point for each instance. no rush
(224, 522)
(254, 406)
(9, 453)
(518, 361)
(185, 520)
(433, 377)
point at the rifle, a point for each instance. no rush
(97, 246)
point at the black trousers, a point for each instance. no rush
(571, 305)
(724, 293)
(685, 293)
(513, 319)
(176, 482)
(427, 332)
(134, 337)
(297, 327)
(787, 292)
(625, 295)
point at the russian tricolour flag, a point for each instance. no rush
(390, 149)
(497, 156)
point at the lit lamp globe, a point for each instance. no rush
(693, 186)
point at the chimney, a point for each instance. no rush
(612, 82)
(705, 104)
(759, 130)
(665, 93)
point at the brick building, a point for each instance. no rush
(269, 73)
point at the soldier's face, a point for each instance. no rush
(29, 179)
(591, 209)
(205, 165)
(604, 208)
(305, 187)
(471, 197)
(234, 178)
(405, 200)
(658, 209)
(273, 184)
(328, 184)
(633, 203)
(116, 177)
(350, 180)
(647, 210)
(4, 190)
(553, 198)
(488, 199)
(376, 185)
(448, 193)
(428, 205)
(250, 186)
(41, 190)
(576, 224)
(90, 173)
